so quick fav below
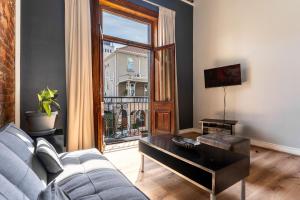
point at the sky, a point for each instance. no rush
(125, 28)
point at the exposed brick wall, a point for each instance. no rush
(7, 61)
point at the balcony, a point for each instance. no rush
(125, 118)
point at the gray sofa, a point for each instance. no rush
(87, 174)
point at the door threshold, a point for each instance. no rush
(121, 146)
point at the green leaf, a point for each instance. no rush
(47, 99)
(50, 93)
(40, 97)
(56, 104)
(47, 108)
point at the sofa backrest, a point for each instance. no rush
(18, 141)
(18, 173)
(21, 164)
(10, 191)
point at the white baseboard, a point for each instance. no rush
(276, 147)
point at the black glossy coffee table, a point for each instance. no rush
(210, 168)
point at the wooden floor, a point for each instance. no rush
(273, 176)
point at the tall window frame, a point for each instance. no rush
(131, 11)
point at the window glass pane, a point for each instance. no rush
(121, 27)
(125, 70)
(130, 64)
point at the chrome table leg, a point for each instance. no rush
(142, 162)
(243, 190)
(213, 197)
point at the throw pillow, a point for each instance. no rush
(48, 156)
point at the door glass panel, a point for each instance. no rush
(126, 96)
(125, 28)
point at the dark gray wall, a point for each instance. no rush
(42, 53)
(43, 60)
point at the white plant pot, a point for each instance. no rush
(38, 121)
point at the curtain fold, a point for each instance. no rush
(166, 36)
(79, 75)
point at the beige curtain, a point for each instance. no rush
(166, 26)
(79, 74)
(166, 35)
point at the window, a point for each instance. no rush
(146, 91)
(125, 28)
(130, 64)
(132, 90)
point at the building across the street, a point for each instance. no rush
(125, 71)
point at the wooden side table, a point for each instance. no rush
(218, 126)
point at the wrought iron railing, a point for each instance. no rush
(125, 118)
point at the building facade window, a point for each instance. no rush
(146, 91)
(130, 64)
(130, 88)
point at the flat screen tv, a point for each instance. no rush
(223, 76)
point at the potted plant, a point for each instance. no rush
(44, 118)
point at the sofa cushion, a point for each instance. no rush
(9, 191)
(23, 146)
(124, 193)
(53, 192)
(48, 156)
(19, 173)
(89, 175)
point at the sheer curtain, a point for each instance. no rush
(166, 36)
(166, 26)
(79, 74)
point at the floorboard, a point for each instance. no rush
(273, 176)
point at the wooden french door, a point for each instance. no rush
(97, 74)
(162, 76)
(128, 10)
(163, 91)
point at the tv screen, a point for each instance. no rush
(223, 76)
